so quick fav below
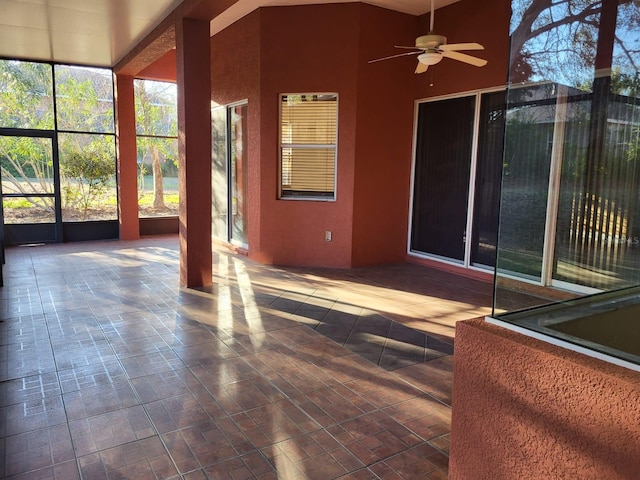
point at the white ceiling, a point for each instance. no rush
(101, 32)
(243, 7)
(92, 32)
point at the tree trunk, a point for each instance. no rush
(158, 189)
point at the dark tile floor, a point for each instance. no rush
(109, 370)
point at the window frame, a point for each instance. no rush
(168, 136)
(330, 197)
(57, 231)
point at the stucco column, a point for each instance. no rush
(127, 159)
(194, 151)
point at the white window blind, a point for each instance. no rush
(308, 132)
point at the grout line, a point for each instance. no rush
(142, 306)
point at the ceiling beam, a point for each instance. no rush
(162, 38)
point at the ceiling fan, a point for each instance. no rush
(431, 48)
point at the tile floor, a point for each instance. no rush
(109, 370)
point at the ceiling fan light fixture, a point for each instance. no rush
(429, 58)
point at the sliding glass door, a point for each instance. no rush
(458, 163)
(571, 188)
(528, 153)
(565, 164)
(229, 173)
(441, 179)
(488, 178)
(597, 241)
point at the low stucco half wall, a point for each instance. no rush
(525, 409)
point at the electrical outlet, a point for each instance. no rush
(327, 236)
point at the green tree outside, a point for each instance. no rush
(85, 174)
(157, 130)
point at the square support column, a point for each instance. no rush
(127, 159)
(194, 151)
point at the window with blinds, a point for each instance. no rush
(308, 133)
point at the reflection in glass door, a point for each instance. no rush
(229, 173)
(30, 192)
(528, 153)
(597, 241)
(488, 179)
(571, 186)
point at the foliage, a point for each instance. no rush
(557, 39)
(147, 200)
(633, 152)
(25, 102)
(84, 102)
(156, 120)
(17, 203)
(87, 172)
(620, 83)
(26, 168)
(26, 99)
(156, 108)
(625, 83)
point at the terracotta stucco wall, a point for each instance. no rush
(162, 70)
(235, 77)
(384, 132)
(308, 49)
(525, 409)
(326, 48)
(384, 138)
(323, 48)
(486, 23)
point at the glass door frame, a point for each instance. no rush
(467, 261)
(232, 179)
(35, 232)
(229, 176)
(546, 278)
(553, 201)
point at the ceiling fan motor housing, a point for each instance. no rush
(430, 41)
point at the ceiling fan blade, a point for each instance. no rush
(463, 57)
(421, 67)
(395, 56)
(460, 46)
(408, 48)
